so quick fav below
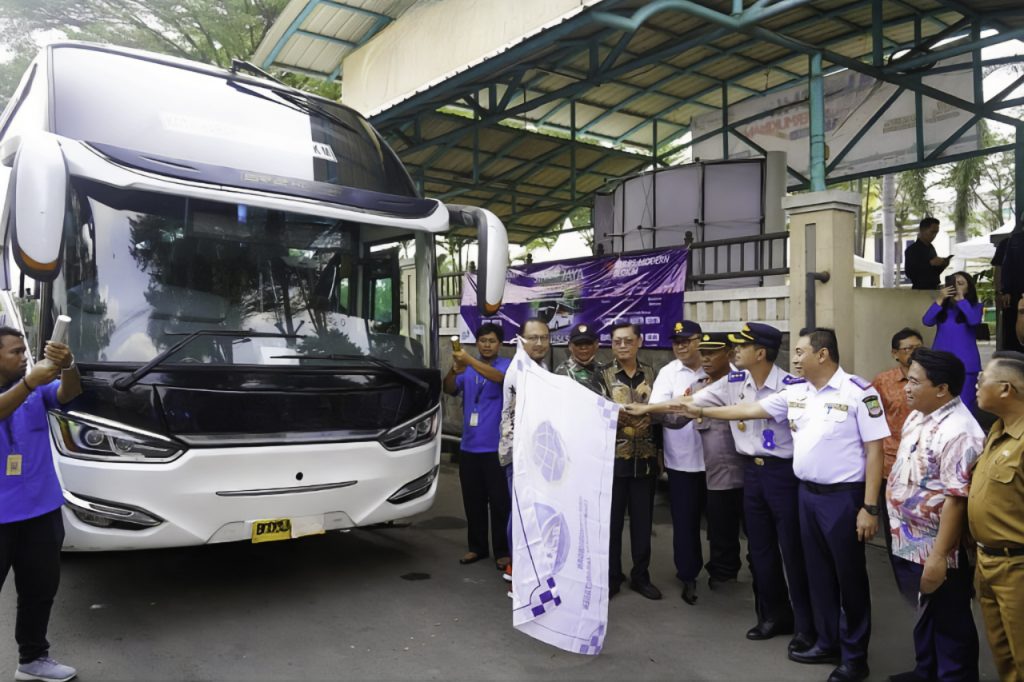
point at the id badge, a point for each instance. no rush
(474, 419)
(14, 465)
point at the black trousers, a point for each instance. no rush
(637, 496)
(32, 548)
(485, 488)
(724, 512)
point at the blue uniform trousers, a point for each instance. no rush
(770, 493)
(836, 570)
(686, 496)
(945, 639)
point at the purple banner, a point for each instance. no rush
(643, 288)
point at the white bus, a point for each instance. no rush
(227, 249)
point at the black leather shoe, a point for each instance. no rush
(690, 591)
(850, 672)
(815, 655)
(719, 583)
(646, 589)
(767, 629)
(801, 642)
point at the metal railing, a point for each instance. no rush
(754, 256)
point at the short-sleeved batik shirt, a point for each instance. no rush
(936, 455)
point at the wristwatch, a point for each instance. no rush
(870, 509)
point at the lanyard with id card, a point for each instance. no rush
(13, 464)
(474, 416)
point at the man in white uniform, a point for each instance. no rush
(684, 458)
(770, 489)
(838, 426)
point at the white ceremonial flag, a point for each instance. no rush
(563, 459)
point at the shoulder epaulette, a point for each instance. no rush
(789, 380)
(737, 376)
(860, 383)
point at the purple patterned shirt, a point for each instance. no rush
(936, 455)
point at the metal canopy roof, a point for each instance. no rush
(313, 37)
(531, 132)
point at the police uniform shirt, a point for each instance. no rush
(683, 448)
(753, 437)
(830, 426)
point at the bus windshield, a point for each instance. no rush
(143, 270)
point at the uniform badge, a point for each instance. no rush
(789, 380)
(737, 376)
(768, 439)
(741, 425)
(874, 406)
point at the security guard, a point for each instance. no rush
(994, 512)
(770, 488)
(838, 426)
(724, 468)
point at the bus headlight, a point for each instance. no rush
(89, 437)
(413, 432)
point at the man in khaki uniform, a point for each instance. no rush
(994, 512)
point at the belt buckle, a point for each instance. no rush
(1005, 551)
(759, 461)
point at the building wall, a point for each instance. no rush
(877, 315)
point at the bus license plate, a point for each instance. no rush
(269, 530)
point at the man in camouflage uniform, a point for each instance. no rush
(636, 462)
(582, 366)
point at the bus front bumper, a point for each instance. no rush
(213, 495)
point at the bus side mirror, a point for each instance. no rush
(37, 199)
(492, 247)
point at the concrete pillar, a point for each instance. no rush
(821, 235)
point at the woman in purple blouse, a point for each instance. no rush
(957, 312)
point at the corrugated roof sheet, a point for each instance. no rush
(625, 85)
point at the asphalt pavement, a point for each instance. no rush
(393, 603)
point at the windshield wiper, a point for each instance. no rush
(376, 362)
(125, 382)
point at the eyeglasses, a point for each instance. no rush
(623, 342)
(536, 340)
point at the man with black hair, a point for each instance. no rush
(31, 526)
(484, 486)
(636, 462)
(922, 265)
(838, 426)
(536, 340)
(782, 601)
(891, 385)
(927, 503)
(994, 512)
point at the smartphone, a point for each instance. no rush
(456, 345)
(951, 281)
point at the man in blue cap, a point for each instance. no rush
(770, 488)
(838, 425)
(684, 458)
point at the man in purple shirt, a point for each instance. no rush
(484, 486)
(31, 527)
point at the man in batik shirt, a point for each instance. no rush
(927, 500)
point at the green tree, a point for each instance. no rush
(210, 31)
